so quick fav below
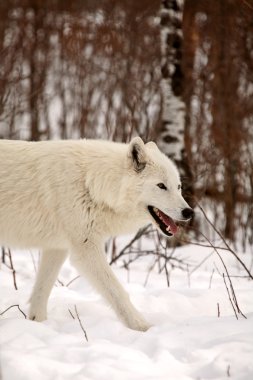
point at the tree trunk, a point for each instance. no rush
(172, 134)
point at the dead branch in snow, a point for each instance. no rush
(79, 320)
(10, 266)
(230, 290)
(70, 312)
(3, 255)
(211, 278)
(7, 252)
(228, 248)
(10, 307)
(138, 235)
(163, 254)
(74, 279)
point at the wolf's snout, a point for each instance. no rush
(187, 213)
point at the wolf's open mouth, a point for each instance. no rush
(165, 222)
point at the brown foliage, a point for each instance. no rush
(84, 69)
(218, 60)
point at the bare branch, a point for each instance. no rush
(211, 278)
(13, 270)
(3, 312)
(224, 241)
(140, 233)
(233, 300)
(3, 255)
(70, 312)
(74, 279)
(230, 298)
(80, 322)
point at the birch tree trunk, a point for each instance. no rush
(171, 137)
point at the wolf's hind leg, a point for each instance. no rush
(50, 264)
(91, 262)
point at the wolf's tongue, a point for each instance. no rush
(169, 222)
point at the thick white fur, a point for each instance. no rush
(67, 197)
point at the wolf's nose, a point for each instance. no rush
(187, 213)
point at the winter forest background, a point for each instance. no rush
(180, 75)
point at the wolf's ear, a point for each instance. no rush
(137, 154)
(152, 145)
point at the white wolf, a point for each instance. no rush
(67, 197)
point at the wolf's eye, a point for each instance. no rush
(162, 186)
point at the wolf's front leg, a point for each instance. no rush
(90, 261)
(50, 264)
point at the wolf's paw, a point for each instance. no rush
(138, 323)
(37, 315)
(142, 327)
(36, 318)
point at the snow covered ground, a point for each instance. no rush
(187, 341)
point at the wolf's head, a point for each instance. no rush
(158, 186)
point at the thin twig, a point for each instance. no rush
(74, 279)
(225, 242)
(211, 278)
(167, 274)
(149, 271)
(80, 322)
(13, 270)
(179, 263)
(3, 255)
(60, 282)
(233, 300)
(203, 245)
(201, 262)
(230, 283)
(230, 297)
(3, 312)
(141, 232)
(70, 312)
(228, 371)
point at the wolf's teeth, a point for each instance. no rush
(156, 211)
(168, 229)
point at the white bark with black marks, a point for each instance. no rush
(171, 139)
